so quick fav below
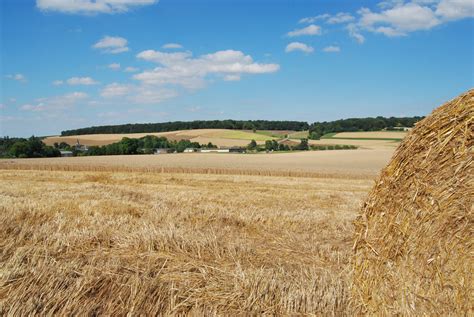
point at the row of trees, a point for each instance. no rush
(145, 145)
(200, 124)
(273, 145)
(23, 148)
(318, 129)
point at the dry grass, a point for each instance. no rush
(414, 243)
(107, 243)
(365, 163)
(372, 134)
(362, 144)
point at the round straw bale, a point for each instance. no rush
(413, 248)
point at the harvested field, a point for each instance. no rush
(356, 163)
(107, 243)
(219, 137)
(372, 135)
(363, 144)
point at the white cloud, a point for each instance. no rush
(309, 30)
(315, 18)
(115, 90)
(394, 18)
(81, 81)
(172, 46)
(90, 7)
(151, 95)
(297, 46)
(58, 82)
(182, 69)
(2, 106)
(114, 66)
(12, 100)
(341, 17)
(455, 9)
(332, 49)
(398, 21)
(131, 69)
(18, 77)
(56, 103)
(232, 77)
(143, 94)
(164, 58)
(112, 45)
(355, 33)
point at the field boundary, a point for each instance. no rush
(183, 170)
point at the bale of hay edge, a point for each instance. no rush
(413, 248)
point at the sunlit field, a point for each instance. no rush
(150, 243)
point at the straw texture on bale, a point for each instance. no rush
(413, 250)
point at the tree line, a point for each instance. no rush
(318, 129)
(144, 145)
(189, 125)
(23, 148)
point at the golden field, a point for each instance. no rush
(117, 243)
(227, 138)
(219, 137)
(364, 163)
(372, 135)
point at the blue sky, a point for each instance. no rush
(74, 63)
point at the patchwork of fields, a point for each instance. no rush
(219, 137)
(227, 138)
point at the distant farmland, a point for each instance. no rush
(219, 137)
(227, 137)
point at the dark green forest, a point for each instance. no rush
(318, 129)
(189, 125)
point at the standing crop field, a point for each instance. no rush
(160, 243)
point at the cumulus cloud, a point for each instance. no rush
(112, 45)
(455, 9)
(172, 46)
(354, 32)
(131, 69)
(309, 30)
(332, 49)
(137, 94)
(18, 77)
(55, 103)
(81, 81)
(114, 66)
(58, 82)
(115, 90)
(232, 77)
(91, 7)
(150, 95)
(394, 18)
(341, 17)
(182, 69)
(398, 21)
(315, 18)
(297, 46)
